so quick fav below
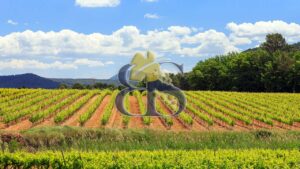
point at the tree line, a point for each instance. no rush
(93, 86)
(274, 66)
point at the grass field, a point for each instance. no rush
(82, 129)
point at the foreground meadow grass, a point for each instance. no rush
(82, 139)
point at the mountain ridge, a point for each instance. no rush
(31, 80)
(27, 80)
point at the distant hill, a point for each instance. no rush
(27, 80)
(70, 82)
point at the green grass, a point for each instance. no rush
(64, 138)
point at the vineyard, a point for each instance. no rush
(22, 109)
(83, 129)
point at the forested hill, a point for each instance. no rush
(273, 67)
(27, 80)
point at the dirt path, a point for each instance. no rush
(47, 122)
(284, 126)
(240, 126)
(74, 119)
(22, 125)
(260, 125)
(117, 123)
(94, 121)
(296, 125)
(2, 125)
(135, 122)
(112, 122)
(157, 124)
(197, 126)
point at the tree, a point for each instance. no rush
(273, 67)
(245, 70)
(295, 75)
(211, 74)
(89, 87)
(78, 86)
(274, 42)
(62, 86)
(180, 80)
(103, 86)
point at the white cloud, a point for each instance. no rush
(97, 3)
(11, 22)
(246, 33)
(180, 30)
(87, 62)
(109, 63)
(175, 40)
(35, 64)
(151, 16)
(211, 43)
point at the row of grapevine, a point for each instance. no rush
(72, 96)
(199, 102)
(266, 117)
(66, 113)
(126, 119)
(165, 115)
(88, 114)
(199, 114)
(8, 92)
(283, 103)
(39, 105)
(19, 104)
(215, 105)
(109, 107)
(229, 104)
(12, 92)
(249, 158)
(29, 102)
(174, 107)
(13, 95)
(276, 109)
(142, 107)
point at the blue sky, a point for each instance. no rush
(94, 38)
